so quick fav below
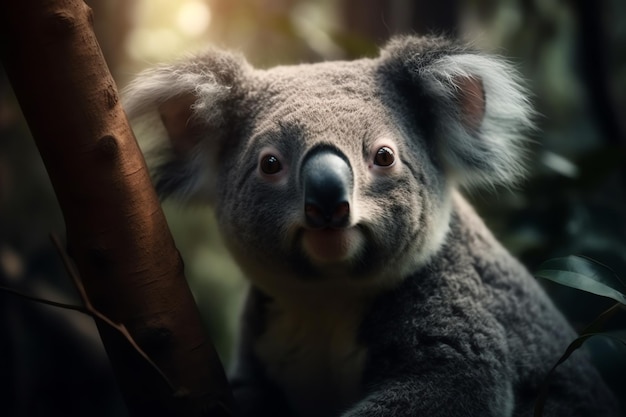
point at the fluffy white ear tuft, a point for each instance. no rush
(472, 105)
(180, 115)
(484, 119)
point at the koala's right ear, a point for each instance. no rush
(182, 115)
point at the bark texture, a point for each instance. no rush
(116, 231)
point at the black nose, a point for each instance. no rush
(327, 182)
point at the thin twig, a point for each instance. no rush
(97, 315)
(44, 301)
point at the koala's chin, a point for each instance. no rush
(343, 257)
(330, 246)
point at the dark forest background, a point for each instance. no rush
(572, 52)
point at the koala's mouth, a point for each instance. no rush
(332, 245)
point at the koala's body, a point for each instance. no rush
(375, 288)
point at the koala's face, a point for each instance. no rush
(337, 172)
(328, 183)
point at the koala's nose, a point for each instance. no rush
(327, 182)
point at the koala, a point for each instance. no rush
(375, 288)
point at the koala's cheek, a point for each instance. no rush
(324, 246)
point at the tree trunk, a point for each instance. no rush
(116, 231)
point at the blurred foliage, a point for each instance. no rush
(572, 52)
(594, 278)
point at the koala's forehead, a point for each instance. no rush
(334, 101)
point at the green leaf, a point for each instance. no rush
(584, 274)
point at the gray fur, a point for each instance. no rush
(425, 313)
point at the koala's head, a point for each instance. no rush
(336, 172)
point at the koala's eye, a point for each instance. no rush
(270, 165)
(384, 157)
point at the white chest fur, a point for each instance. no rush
(310, 351)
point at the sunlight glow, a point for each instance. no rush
(193, 18)
(164, 28)
(153, 44)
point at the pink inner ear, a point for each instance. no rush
(176, 117)
(471, 96)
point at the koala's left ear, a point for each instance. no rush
(472, 105)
